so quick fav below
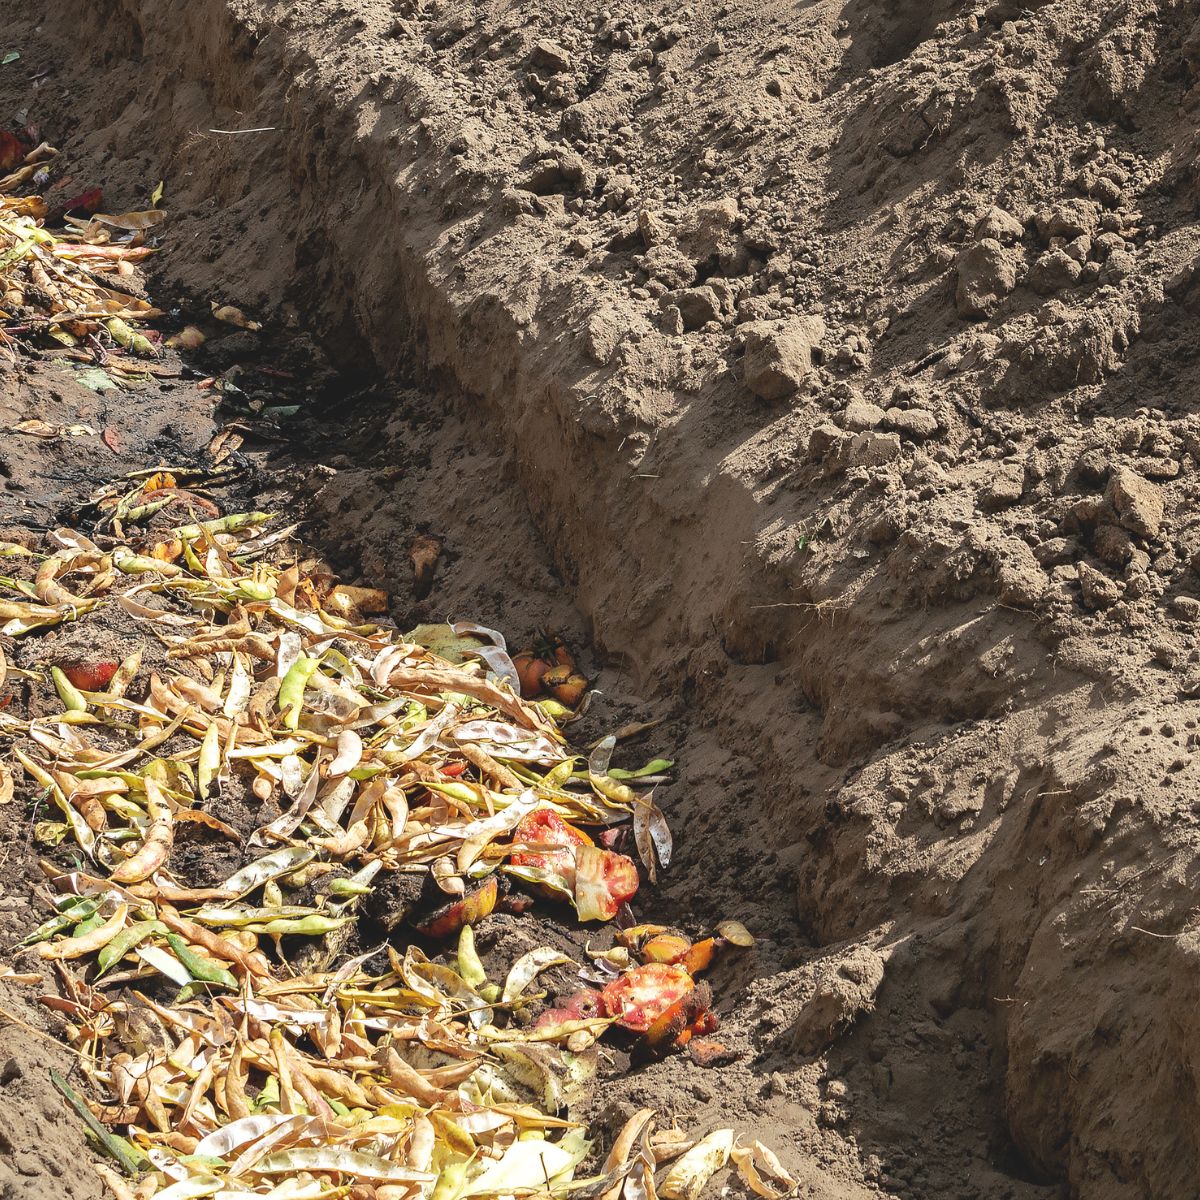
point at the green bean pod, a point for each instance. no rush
(291, 690)
(78, 910)
(358, 884)
(129, 563)
(229, 524)
(87, 925)
(125, 941)
(141, 511)
(131, 1160)
(190, 991)
(470, 966)
(200, 969)
(72, 698)
(348, 887)
(125, 335)
(194, 563)
(315, 926)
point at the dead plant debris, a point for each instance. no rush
(243, 1043)
(60, 291)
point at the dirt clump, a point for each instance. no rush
(842, 993)
(776, 360)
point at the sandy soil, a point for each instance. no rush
(839, 359)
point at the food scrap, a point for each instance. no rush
(276, 710)
(57, 289)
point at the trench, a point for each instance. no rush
(446, 407)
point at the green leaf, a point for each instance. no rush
(97, 379)
(441, 640)
(156, 195)
(130, 1160)
(10, 57)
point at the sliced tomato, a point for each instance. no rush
(91, 676)
(640, 996)
(672, 1023)
(699, 1017)
(548, 843)
(583, 1004)
(552, 1018)
(470, 910)
(12, 150)
(580, 1006)
(604, 880)
(665, 948)
(690, 1015)
(700, 956)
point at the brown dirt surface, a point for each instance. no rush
(836, 361)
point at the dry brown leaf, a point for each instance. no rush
(234, 316)
(36, 427)
(226, 442)
(137, 221)
(424, 554)
(197, 816)
(30, 978)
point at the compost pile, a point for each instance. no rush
(55, 287)
(840, 360)
(244, 1043)
(245, 1040)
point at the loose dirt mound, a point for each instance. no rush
(843, 355)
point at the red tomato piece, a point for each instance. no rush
(86, 202)
(91, 676)
(12, 150)
(580, 1006)
(470, 910)
(690, 1015)
(604, 880)
(548, 843)
(644, 993)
